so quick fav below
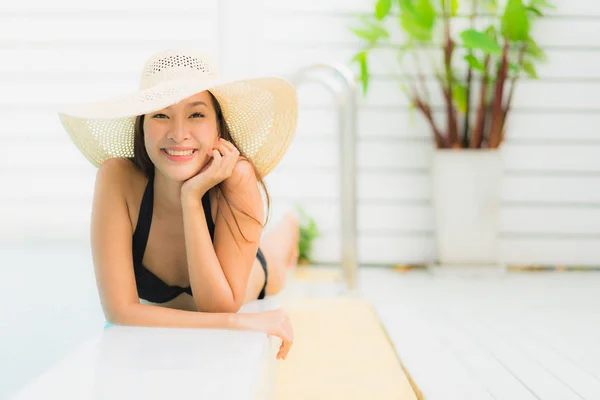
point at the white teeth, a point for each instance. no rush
(180, 153)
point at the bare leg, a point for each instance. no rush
(280, 247)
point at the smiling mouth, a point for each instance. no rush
(183, 153)
(180, 156)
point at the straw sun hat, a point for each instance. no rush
(261, 113)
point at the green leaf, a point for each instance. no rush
(474, 62)
(403, 88)
(473, 39)
(491, 5)
(414, 30)
(534, 51)
(407, 7)
(542, 3)
(509, 67)
(372, 32)
(382, 8)
(364, 34)
(312, 229)
(454, 7)
(417, 19)
(530, 69)
(361, 59)
(308, 232)
(426, 13)
(535, 11)
(459, 94)
(491, 32)
(515, 23)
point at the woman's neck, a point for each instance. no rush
(167, 195)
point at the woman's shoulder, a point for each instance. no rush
(120, 171)
(124, 176)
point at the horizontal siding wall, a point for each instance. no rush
(551, 193)
(65, 52)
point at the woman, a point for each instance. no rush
(177, 213)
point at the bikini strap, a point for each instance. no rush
(142, 229)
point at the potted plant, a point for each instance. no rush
(474, 72)
(308, 233)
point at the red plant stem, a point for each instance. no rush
(450, 109)
(487, 121)
(480, 116)
(421, 76)
(497, 114)
(465, 134)
(466, 126)
(451, 116)
(440, 141)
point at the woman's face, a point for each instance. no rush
(179, 139)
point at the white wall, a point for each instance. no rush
(53, 56)
(551, 197)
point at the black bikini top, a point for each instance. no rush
(150, 287)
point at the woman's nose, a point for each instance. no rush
(178, 131)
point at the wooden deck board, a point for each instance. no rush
(340, 352)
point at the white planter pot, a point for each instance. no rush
(466, 204)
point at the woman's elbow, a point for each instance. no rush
(121, 315)
(222, 307)
(116, 318)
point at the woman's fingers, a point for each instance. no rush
(225, 146)
(217, 158)
(287, 326)
(225, 150)
(228, 145)
(287, 341)
(284, 349)
(229, 148)
(230, 155)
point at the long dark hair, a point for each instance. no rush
(143, 162)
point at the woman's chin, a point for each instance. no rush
(179, 173)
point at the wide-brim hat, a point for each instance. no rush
(261, 113)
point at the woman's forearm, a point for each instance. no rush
(210, 287)
(156, 316)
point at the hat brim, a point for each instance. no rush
(261, 114)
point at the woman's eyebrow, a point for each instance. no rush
(193, 104)
(197, 103)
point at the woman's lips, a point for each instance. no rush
(180, 158)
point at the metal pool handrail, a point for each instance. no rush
(340, 81)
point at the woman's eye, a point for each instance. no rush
(162, 116)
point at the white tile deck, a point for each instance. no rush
(521, 335)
